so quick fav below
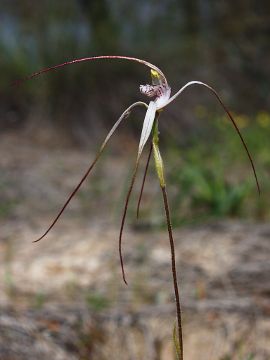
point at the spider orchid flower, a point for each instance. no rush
(160, 93)
(159, 90)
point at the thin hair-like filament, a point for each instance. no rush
(230, 117)
(115, 126)
(143, 181)
(123, 220)
(92, 58)
(146, 131)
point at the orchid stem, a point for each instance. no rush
(161, 176)
(174, 272)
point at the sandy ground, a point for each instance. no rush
(63, 298)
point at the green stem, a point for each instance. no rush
(174, 272)
(161, 176)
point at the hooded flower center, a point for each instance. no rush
(161, 92)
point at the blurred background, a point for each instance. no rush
(68, 288)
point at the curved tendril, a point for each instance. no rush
(115, 126)
(124, 220)
(143, 182)
(230, 117)
(146, 131)
(92, 58)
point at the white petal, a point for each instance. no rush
(162, 100)
(147, 126)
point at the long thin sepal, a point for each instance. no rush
(230, 117)
(143, 181)
(123, 116)
(93, 58)
(146, 131)
(147, 126)
(123, 220)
